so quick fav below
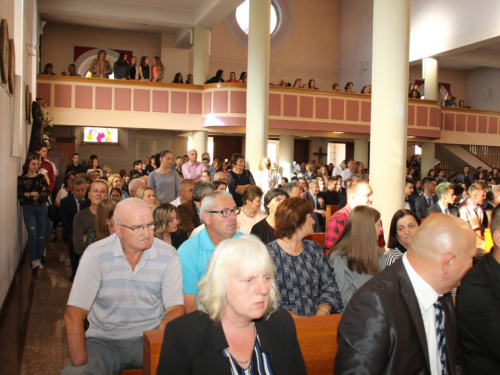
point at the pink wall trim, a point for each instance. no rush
(195, 99)
(337, 109)
(460, 123)
(322, 108)
(238, 102)
(493, 129)
(207, 103)
(320, 126)
(44, 90)
(141, 100)
(62, 94)
(290, 105)
(449, 121)
(83, 97)
(103, 98)
(352, 109)
(422, 116)
(179, 102)
(411, 115)
(274, 105)
(306, 106)
(123, 99)
(428, 133)
(471, 123)
(160, 101)
(220, 101)
(482, 126)
(366, 111)
(434, 117)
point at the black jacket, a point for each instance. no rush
(193, 345)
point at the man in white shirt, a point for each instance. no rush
(346, 173)
(185, 193)
(337, 171)
(402, 321)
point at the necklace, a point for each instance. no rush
(244, 363)
(289, 248)
(251, 215)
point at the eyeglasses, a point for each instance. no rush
(139, 228)
(226, 212)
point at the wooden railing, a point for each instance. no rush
(487, 154)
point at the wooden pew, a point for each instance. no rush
(330, 210)
(317, 338)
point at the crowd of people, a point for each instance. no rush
(220, 258)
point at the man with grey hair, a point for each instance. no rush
(446, 197)
(220, 176)
(134, 185)
(127, 283)
(218, 211)
(293, 189)
(185, 193)
(189, 212)
(318, 203)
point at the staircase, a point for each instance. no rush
(454, 157)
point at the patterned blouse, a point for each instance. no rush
(32, 184)
(306, 280)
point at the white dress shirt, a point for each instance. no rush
(176, 202)
(426, 296)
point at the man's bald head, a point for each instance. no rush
(441, 251)
(220, 176)
(132, 213)
(126, 207)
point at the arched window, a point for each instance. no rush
(243, 16)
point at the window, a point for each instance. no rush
(243, 15)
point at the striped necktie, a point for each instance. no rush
(441, 339)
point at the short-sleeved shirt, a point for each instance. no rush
(195, 254)
(123, 303)
(337, 223)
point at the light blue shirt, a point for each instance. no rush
(195, 254)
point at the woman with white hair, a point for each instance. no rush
(239, 328)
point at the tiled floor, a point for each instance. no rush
(32, 336)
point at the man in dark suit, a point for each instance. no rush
(478, 310)
(318, 203)
(427, 199)
(446, 197)
(189, 212)
(402, 321)
(68, 209)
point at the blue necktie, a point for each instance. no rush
(441, 339)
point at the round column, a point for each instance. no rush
(201, 55)
(391, 32)
(361, 151)
(430, 74)
(428, 158)
(200, 141)
(286, 154)
(258, 82)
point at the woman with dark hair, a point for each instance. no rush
(49, 69)
(165, 183)
(218, 78)
(223, 167)
(189, 79)
(306, 284)
(404, 224)
(432, 173)
(133, 69)
(413, 94)
(264, 229)
(355, 257)
(33, 193)
(348, 87)
(297, 83)
(157, 70)
(239, 178)
(243, 77)
(312, 84)
(178, 78)
(167, 225)
(94, 166)
(250, 212)
(116, 194)
(121, 67)
(104, 222)
(100, 67)
(461, 103)
(144, 69)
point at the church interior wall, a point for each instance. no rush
(481, 81)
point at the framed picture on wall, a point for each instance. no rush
(4, 51)
(12, 67)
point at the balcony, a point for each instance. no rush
(79, 101)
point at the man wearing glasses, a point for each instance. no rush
(127, 283)
(218, 212)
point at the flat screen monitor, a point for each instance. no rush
(93, 134)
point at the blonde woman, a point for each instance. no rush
(266, 178)
(167, 225)
(148, 195)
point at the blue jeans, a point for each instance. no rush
(36, 221)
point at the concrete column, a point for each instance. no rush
(258, 82)
(201, 55)
(200, 142)
(391, 33)
(286, 154)
(428, 158)
(430, 74)
(361, 151)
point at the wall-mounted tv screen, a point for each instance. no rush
(100, 135)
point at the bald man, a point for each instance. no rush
(394, 323)
(127, 283)
(193, 168)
